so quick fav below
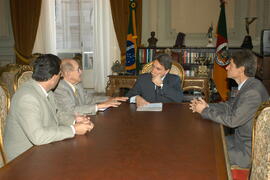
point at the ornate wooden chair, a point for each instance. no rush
(4, 107)
(261, 144)
(23, 75)
(7, 76)
(260, 148)
(176, 69)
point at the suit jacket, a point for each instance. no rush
(239, 113)
(82, 102)
(32, 120)
(170, 92)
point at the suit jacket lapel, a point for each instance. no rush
(75, 96)
(245, 85)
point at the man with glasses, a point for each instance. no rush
(72, 97)
(33, 118)
(239, 111)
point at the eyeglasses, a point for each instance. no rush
(78, 70)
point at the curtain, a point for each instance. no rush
(120, 14)
(106, 46)
(25, 17)
(46, 36)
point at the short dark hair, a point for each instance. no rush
(45, 67)
(247, 59)
(165, 60)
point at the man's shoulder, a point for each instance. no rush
(145, 76)
(253, 83)
(62, 85)
(28, 90)
(27, 87)
(170, 77)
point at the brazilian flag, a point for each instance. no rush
(131, 40)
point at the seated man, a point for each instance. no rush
(237, 112)
(33, 118)
(72, 97)
(157, 86)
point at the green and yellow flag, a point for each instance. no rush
(131, 40)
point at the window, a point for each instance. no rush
(75, 29)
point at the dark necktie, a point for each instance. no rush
(157, 93)
(158, 89)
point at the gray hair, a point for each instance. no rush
(66, 65)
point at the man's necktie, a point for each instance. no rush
(77, 96)
(158, 89)
(76, 92)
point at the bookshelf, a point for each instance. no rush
(189, 57)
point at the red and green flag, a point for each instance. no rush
(220, 74)
(131, 40)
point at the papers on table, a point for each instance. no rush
(103, 109)
(151, 107)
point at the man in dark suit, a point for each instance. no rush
(157, 86)
(238, 112)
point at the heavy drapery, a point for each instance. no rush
(25, 17)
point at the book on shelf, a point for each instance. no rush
(183, 55)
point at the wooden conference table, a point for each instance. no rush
(130, 145)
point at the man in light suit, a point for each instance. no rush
(72, 97)
(157, 86)
(33, 118)
(237, 112)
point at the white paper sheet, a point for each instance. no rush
(151, 107)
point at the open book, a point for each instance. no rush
(151, 107)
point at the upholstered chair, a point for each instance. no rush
(7, 75)
(4, 107)
(176, 69)
(23, 75)
(261, 144)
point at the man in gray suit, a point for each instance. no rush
(33, 118)
(237, 112)
(72, 97)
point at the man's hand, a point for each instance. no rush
(81, 129)
(121, 99)
(198, 105)
(156, 79)
(140, 101)
(109, 103)
(82, 119)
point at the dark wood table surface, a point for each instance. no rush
(130, 145)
